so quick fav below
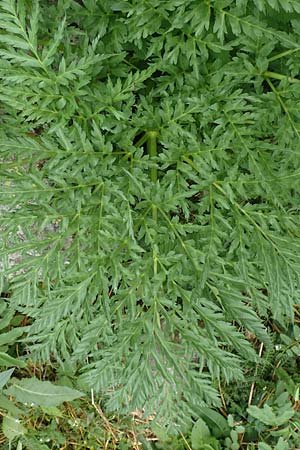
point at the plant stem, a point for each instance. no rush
(142, 140)
(279, 76)
(152, 151)
(285, 53)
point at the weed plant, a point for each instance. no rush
(150, 191)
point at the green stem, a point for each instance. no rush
(152, 151)
(142, 140)
(279, 76)
(285, 53)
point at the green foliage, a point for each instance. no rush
(29, 391)
(41, 393)
(275, 423)
(216, 422)
(31, 422)
(149, 190)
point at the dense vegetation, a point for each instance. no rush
(149, 214)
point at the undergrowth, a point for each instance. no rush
(262, 413)
(150, 201)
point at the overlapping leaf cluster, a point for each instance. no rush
(150, 187)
